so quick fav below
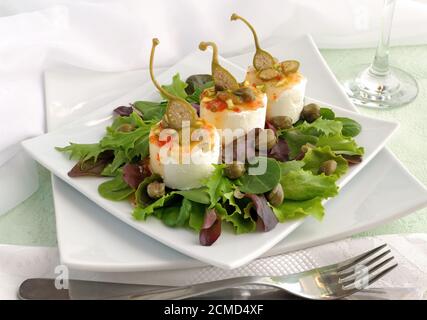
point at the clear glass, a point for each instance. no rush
(379, 85)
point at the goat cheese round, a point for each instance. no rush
(184, 158)
(285, 94)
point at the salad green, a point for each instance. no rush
(121, 157)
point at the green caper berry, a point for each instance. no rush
(276, 196)
(156, 189)
(234, 170)
(307, 147)
(246, 94)
(281, 122)
(310, 112)
(328, 167)
(266, 138)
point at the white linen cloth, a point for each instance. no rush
(18, 263)
(115, 35)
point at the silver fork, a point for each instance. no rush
(335, 281)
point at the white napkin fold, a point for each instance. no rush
(116, 35)
(18, 263)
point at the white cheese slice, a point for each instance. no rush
(184, 168)
(286, 102)
(283, 100)
(240, 122)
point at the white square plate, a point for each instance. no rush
(230, 251)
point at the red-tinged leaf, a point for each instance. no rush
(280, 151)
(264, 212)
(211, 229)
(91, 167)
(134, 174)
(123, 111)
(352, 160)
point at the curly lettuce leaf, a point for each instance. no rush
(291, 209)
(304, 185)
(341, 145)
(141, 213)
(241, 223)
(321, 127)
(286, 167)
(83, 152)
(217, 185)
(314, 159)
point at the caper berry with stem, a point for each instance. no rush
(234, 170)
(281, 122)
(178, 111)
(262, 59)
(310, 112)
(266, 137)
(328, 167)
(222, 78)
(276, 196)
(156, 190)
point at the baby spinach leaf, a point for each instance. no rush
(116, 189)
(351, 128)
(296, 139)
(199, 195)
(262, 183)
(327, 113)
(151, 110)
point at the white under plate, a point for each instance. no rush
(230, 250)
(89, 238)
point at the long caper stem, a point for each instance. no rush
(204, 45)
(234, 17)
(158, 86)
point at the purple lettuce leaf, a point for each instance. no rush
(91, 167)
(134, 174)
(123, 111)
(211, 229)
(267, 220)
(280, 151)
(197, 107)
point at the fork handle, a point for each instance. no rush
(201, 288)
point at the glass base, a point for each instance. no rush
(366, 89)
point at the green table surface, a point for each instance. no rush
(33, 221)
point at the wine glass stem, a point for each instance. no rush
(380, 65)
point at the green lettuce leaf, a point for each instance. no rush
(141, 213)
(291, 209)
(262, 183)
(177, 87)
(340, 144)
(296, 139)
(141, 195)
(199, 195)
(240, 222)
(289, 166)
(314, 159)
(304, 185)
(217, 185)
(153, 111)
(327, 113)
(116, 189)
(351, 128)
(321, 127)
(83, 152)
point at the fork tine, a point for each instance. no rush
(352, 261)
(351, 279)
(351, 291)
(368, 263)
